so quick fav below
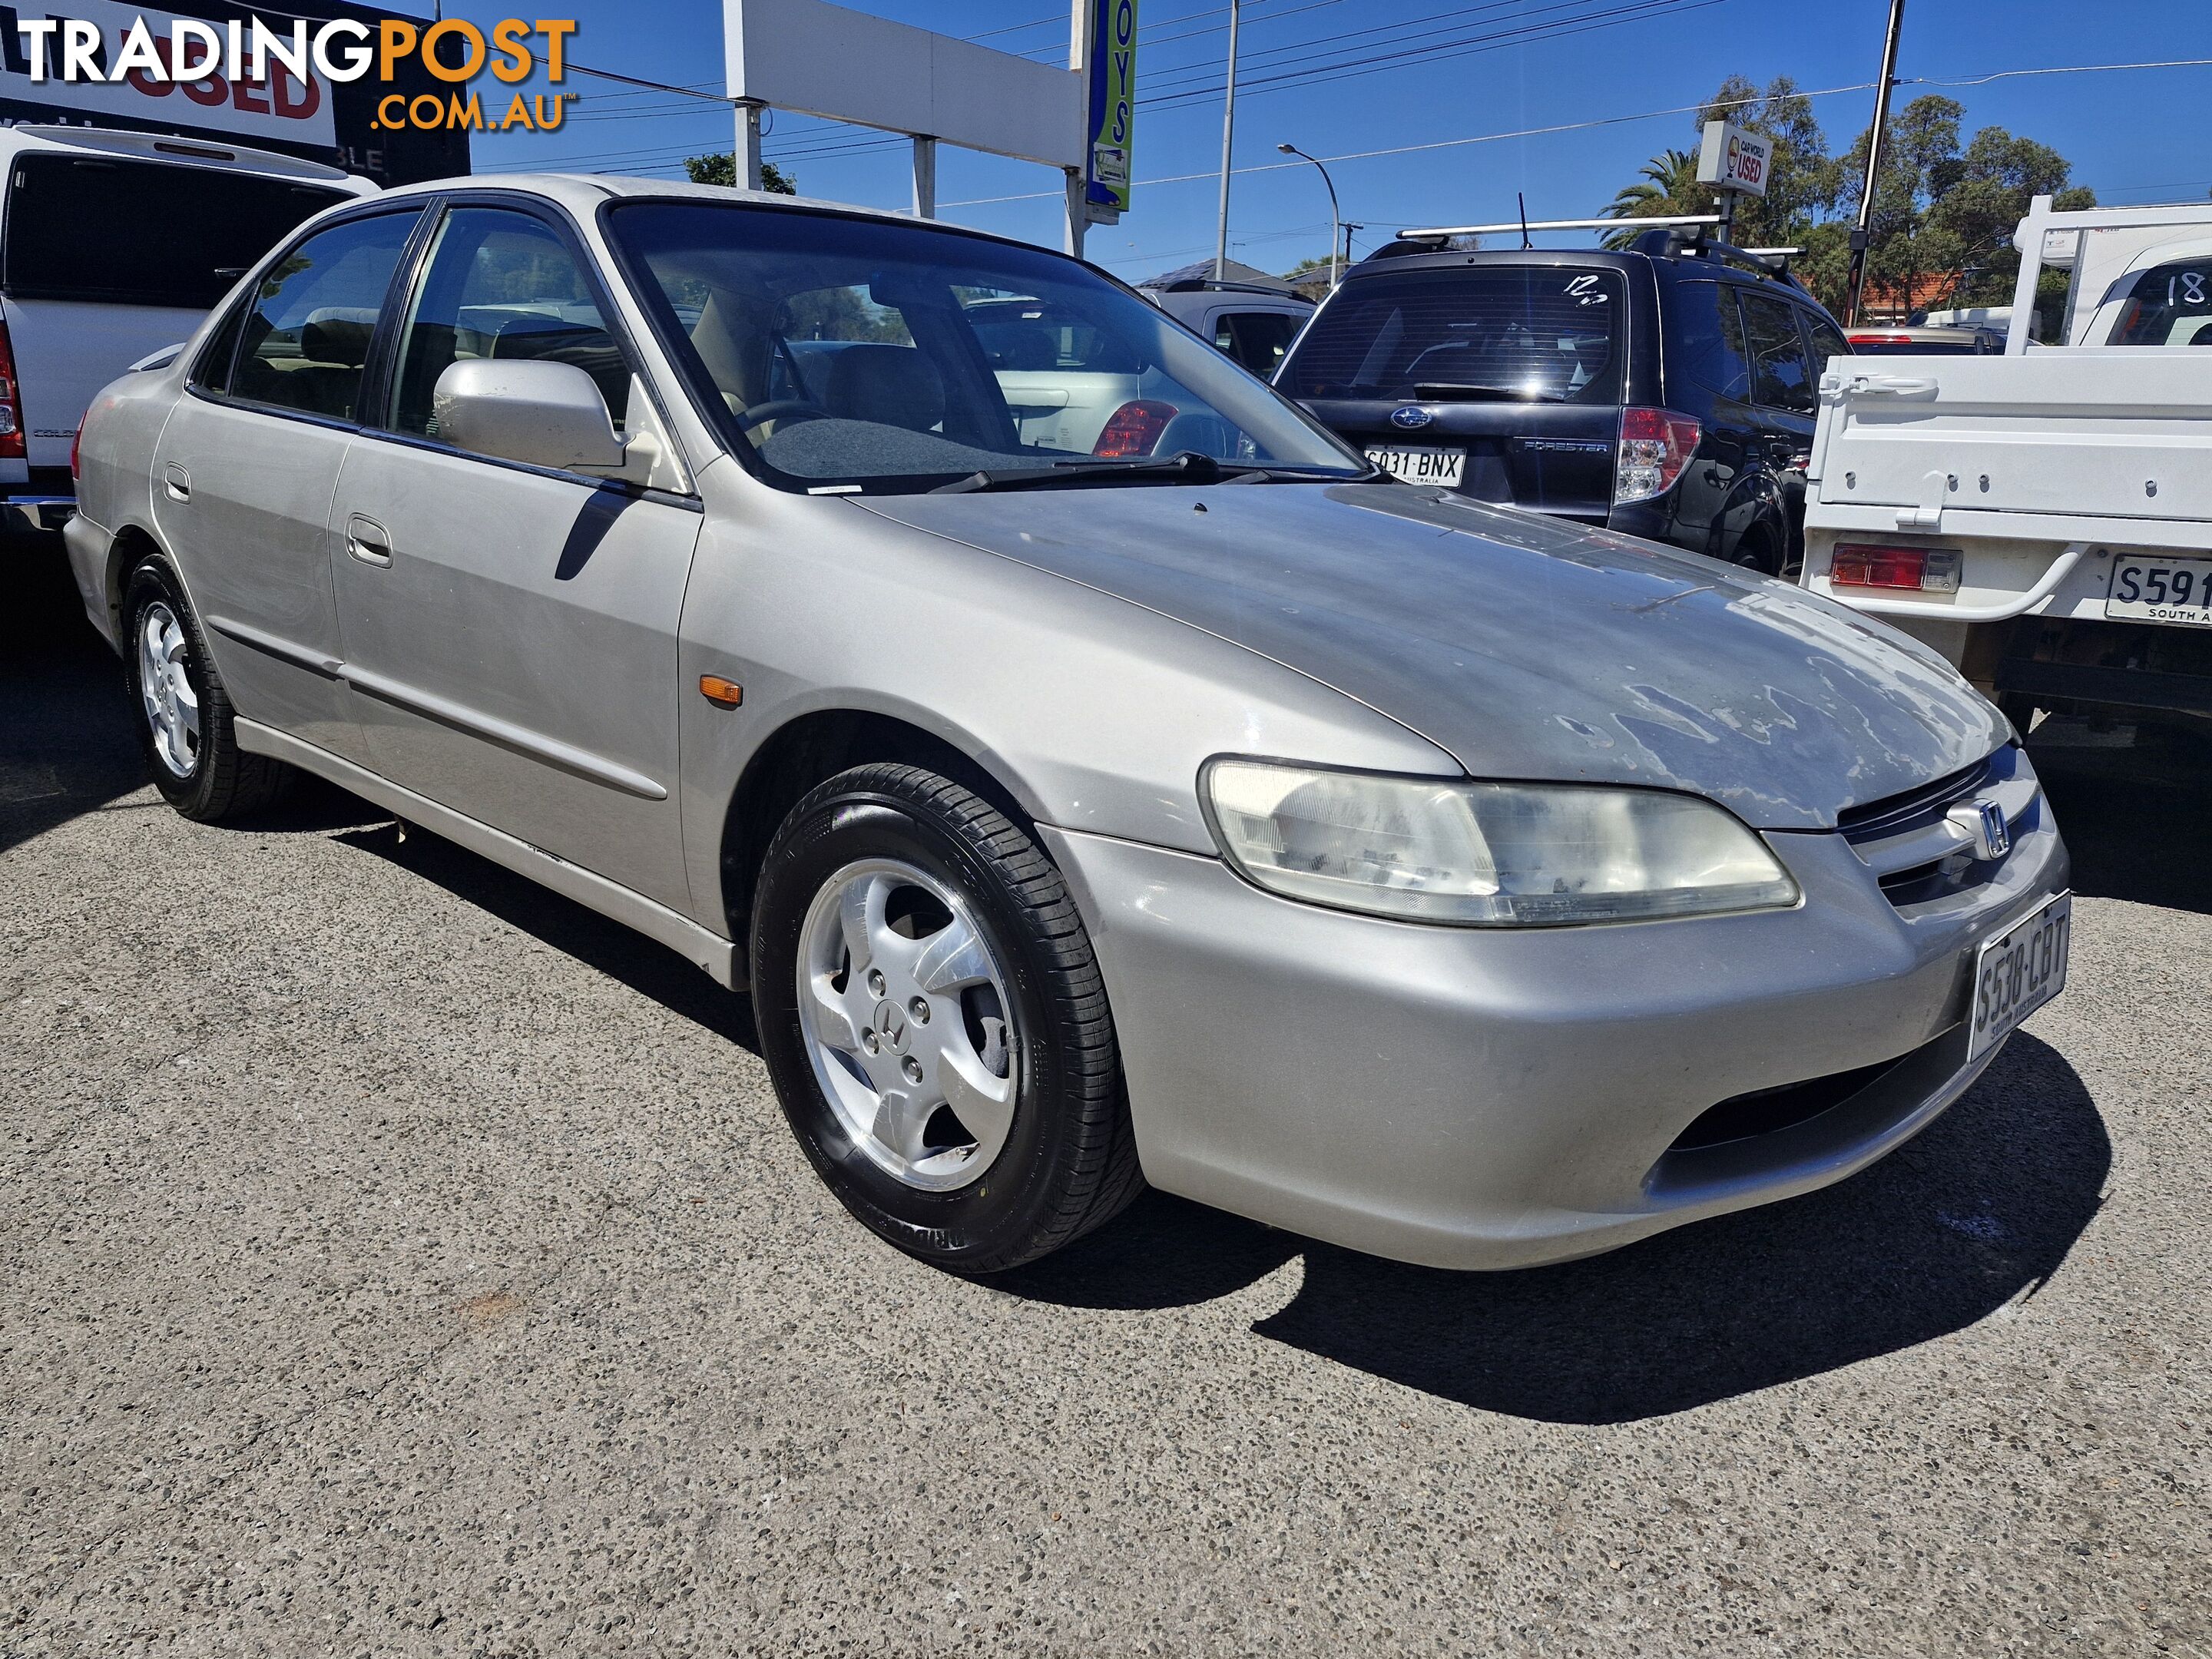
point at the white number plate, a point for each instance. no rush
(2020, 970)
(1420, 463)
(2161, 590)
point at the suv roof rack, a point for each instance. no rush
(1675, 244)
(1207, 285)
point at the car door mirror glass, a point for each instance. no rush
(538, 413)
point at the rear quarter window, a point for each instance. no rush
(141, 233)
(2170, 305)
(1501, 333)
(1707, 342)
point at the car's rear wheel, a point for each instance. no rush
(1760, 549)
(934, 1022)
(185, 724)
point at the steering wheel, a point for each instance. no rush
(781, 409)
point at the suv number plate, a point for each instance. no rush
(2161, 590)
(2020, 970)
(1420, 464)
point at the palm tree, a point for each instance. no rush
(1667, 184)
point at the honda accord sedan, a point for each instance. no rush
(1184, 804)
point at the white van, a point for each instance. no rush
(113, 244)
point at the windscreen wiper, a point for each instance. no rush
(1186, 466)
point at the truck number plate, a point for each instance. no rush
(2161, 590)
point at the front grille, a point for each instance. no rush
(1764, 1111)
(1897, 814)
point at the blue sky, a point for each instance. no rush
(2135, 136)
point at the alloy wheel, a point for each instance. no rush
(908, 1024)
(164, 688)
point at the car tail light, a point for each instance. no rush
(1135, 427)
(1882, 339)
(1655, 444)
(76, 454)
(1921, 569)
(11, 402)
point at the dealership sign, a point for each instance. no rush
(1113, 107)
(1733, 159)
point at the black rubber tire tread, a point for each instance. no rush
(228, 783)
(1098, 1174)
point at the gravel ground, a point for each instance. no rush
(396, 1259)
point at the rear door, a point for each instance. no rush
(104, 260)
(1504, 381)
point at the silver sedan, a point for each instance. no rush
(1093, 772)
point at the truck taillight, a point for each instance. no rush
(1921, 569)
(1655, 444)
(1134, 428)
(11, 402)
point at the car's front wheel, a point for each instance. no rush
(934, 1022)
(185, 724)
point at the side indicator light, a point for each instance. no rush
(723, 693)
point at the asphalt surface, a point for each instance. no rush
(396, 1259)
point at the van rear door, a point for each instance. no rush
(106, 259)
(1503, 380)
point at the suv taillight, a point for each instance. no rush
(1655, 444)
(1134, 428)
(11, 402)
(1921, 569)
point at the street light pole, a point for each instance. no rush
(1228, 135)
(1335, 218)
(1855, 284)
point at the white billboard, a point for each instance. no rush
(283, 107)
(1732, 159)
(845, 66)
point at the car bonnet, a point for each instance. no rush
(1526, 647)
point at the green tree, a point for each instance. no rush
(1668, 187)
(723, 170)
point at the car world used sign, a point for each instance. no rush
(1732, 159)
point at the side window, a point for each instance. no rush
(1262, 339)
(1780, 376)
(502, 284)
(212, 372)
(1827, 342)
(1708, 340)
(306, 331)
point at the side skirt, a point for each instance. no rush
(717, 955)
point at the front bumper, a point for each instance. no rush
(1478, 1099)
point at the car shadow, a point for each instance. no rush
(1966, 1221)
(647, 967)
(2134, 819)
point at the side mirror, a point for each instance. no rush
(538, 413)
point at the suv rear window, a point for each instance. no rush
(142, 234)
(2171, 305)
(1545, 334)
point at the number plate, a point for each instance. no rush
(2161, 590)
(2020, 970)
(1419, 463)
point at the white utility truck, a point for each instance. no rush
(2043, 519)
(113, 244)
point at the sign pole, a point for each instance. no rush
(748, 169)
(925, 176)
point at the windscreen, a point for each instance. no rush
(856, 352)
(1543, 334)
(2172, 305)
(141, 233)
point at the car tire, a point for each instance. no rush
(933, 1020)
(185, 723)
(1760, 549)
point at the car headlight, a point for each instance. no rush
(1488, 854)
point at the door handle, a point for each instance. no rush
(177, 482)
(368, 541)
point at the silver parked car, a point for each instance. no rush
(1194, 807)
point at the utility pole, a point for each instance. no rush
(1855, 284)
(1228, 137)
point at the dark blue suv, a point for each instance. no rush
(1668, 391)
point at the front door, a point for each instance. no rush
(510, 633)
(245, 471)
